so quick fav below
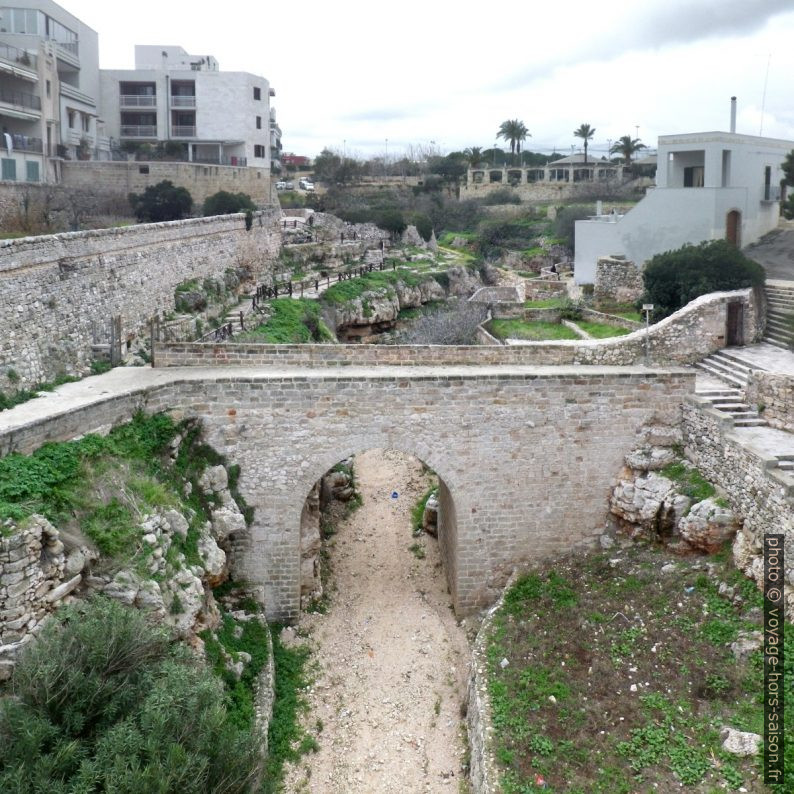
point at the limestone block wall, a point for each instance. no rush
(760, 496)
(686, 336)
(775, 392)
(201, 180)
(58, 289)
(617, 280)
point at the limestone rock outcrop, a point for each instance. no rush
(708, 526)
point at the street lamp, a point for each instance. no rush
(386, 159)
(647, 308)
(494, 153)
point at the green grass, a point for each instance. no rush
(20, 396)
(287, 741)
(377, 281)
(582, 634)
(536, 331)
(294, 321)
(689, 480)
(601, 330)
(544, 303)
(418, 510)
(635, 316)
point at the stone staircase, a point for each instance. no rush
(730, 401)
(727, 367)
(780, 315)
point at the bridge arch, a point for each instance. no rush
(451, 494)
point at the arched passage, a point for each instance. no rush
(307, 513)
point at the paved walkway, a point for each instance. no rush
(775, 252)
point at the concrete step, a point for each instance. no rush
(725, 367)
(730, 360)
(722, 374)
(750, 422)
(781, 343)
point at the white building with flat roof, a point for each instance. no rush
(709, 186)
(188, 104)
(49, 90)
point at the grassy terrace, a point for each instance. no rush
(346, 291)
(618, 678)
(602, 330)
(293, 321)
(535, 331)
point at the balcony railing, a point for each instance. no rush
(138, 100)
(20, 98)
(770, 193)
(14, 55)
(69, 46)
(225, 160)
(22, 143)
(138, 131)
(183, 101)
(183, 131)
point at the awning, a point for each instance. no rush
(18, 72)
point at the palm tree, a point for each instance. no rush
(514, 131)
(473, 156)
(626, 147)
(586, 133)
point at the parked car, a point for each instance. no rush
(306, 184)
(281, 185)
(290, 186)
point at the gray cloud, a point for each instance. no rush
(379, 114)
(680, 22)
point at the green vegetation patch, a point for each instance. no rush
(19, 396)
(536, 331)
(377, 281)
(293, 321)
(608, 677)
(602, 330)
(105, 702)
(544, 303)
(689, 481)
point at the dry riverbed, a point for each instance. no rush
(391, 662)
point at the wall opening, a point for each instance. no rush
(733, 228)
(376, 498)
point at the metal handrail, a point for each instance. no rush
(138, 100)
(10, 53)
(22, 98)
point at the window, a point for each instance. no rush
(259, 150)
(70, 113)
(257, 92)
(86, 123)
(143, 169)
(259, 122)
(49, 89)
(32, 171)
(21, 20)
(9, 169)
(693, 176)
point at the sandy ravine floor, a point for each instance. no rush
(391, 660)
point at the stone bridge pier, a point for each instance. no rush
(526, 454)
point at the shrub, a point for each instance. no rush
(564, 223)
(503, 195)
(674, 278)
(161, 202)
(225, 203)
(391, 220)
(104, 702)
(423, 225)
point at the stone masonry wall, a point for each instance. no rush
(759, 495)
(686, 336)
(201, 180)
(527, 457)
(617, 280)
(775, 392)
(56, 288)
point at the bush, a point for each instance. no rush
(423, 225)
(564, 223)
(104, 702)
(674, 278)
(161, 202)
(225, 203)
(503, 195)
(392, 221)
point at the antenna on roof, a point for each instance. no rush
(763, 96)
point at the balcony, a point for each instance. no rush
(183, 101)
(225, 160)
(137, 101)
(20, 98)
(23, 143)
(17, 57)
(138, 130)
(183, 131)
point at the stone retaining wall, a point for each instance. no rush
(686, 336)
(58, 290)
(617, 280)
(775, 392)
(759, 494)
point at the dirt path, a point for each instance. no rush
(392, 661)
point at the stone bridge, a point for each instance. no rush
(525, 454)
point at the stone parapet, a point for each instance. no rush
(772, 393)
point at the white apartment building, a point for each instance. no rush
(49, 90)
(184, 101)
(709, 186)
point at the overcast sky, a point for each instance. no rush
(352, 74)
